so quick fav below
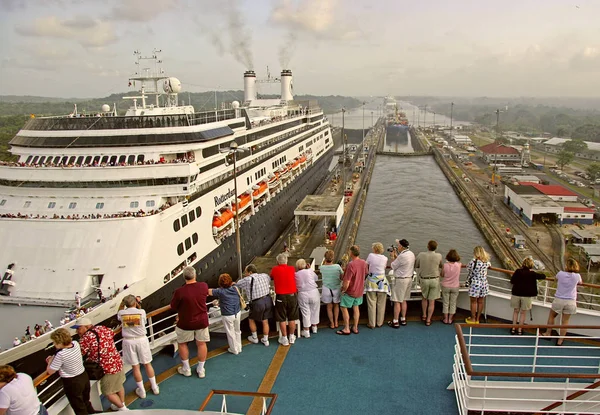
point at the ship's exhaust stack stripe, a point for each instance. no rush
(249, 86)
(286, 85)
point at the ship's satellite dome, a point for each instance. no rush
(172, 85)
(105, 108)
(235, 104)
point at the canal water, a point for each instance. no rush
(354, 118)
(16, 318)
(410, 198)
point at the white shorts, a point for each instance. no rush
(560, 305)
(136, 351)
(329, 296)
(184, 336)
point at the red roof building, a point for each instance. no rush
(553, 190)
(495, 152)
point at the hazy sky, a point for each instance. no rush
(84, 48)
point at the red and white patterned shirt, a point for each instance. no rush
(110, 359)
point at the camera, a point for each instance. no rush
(392, 248)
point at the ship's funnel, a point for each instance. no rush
(249, 86)
(286, 85)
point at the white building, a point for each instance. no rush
(554, 145)
(534, 202)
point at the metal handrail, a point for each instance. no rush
(42, 378)
(265, 396)
(39, 380)
(466, 355)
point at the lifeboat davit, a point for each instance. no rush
(260, 190)
(244, 202)
(222, 218)
(273, 180)
(285, 171)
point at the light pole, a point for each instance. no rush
(425, 116)
(372, 119)
(363, 129)
(434, 120)
(451, 114)
(233, 150)
(343, 152)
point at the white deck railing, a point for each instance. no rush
(160, 334)
(497, 372)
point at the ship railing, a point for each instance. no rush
(499, 281)
(495, 372)
(160, 333)
(261, 397)
(94, 122)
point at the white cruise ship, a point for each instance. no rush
(108, 200)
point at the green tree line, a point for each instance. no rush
(561, 122)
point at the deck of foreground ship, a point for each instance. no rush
(389, 371)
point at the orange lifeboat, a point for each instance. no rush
(262, 188)
(302, 159)
(296, 164)
(244, 202)
(222, 218)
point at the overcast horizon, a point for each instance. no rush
(527, 48)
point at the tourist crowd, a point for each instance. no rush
(138, 214)
(297, 298)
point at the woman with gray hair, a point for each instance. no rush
(377, 287)
(309, 299)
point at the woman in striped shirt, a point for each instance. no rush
(68, 362)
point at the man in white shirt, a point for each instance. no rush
(403, 264)
(78, 299)
(136, 348)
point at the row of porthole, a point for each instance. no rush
(188, 244)
(185, 219)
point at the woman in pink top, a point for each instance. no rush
(450, 282)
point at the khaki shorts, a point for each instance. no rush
(523, 303)
(401, 289)
(110, 384)
(430, 288)
(564, 306)
(184, 336)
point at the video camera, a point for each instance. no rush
(394, 248)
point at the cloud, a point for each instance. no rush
(142, 10)
(85, 31)
(235, 28)
(586, 60)
(12, 5)
(324, 19)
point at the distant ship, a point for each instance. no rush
(396, 122)
(119, 204)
